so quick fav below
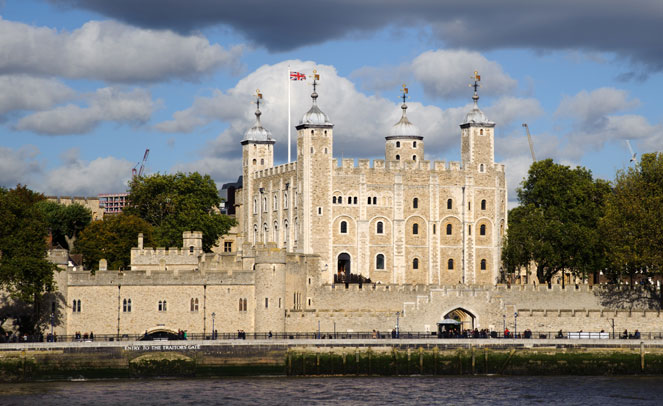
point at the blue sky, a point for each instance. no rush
(87, 85)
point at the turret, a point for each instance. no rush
(477, 148)
(404, 143)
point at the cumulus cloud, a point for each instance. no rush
(20, 92)
(19, 166)
(109, 51)
(592, 107)
(79, 177)
(361, 121)
(626, 28)
(107, 104)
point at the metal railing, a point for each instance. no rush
(327, 335)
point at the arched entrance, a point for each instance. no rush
(343, 269)
(465, 317)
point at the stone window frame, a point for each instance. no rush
(415, 203)
(76, 306)
(194, 305)
(483, 204)
(415, 229)
(343, 227)
(450, 204)
(415, 263)
(482, 229)
(483, 263)
(162, 306)
(450, 264)
(126, 305)
(379, 227)
(450, 229)
(377, 262)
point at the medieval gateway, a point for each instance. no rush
(339, 246)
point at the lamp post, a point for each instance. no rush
(398, 332)
(53, 316)
(213, 331)
(334, 329)
(503, 323)
(515, 325)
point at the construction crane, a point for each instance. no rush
(633, 154)
(529, 139)
(140, 171)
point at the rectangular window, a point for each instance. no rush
(266, 303)
(228, 246)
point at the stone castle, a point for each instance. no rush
(344, 247)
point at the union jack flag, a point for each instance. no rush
(297, 76)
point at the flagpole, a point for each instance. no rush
(289, 125)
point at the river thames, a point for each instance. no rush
(497, 390)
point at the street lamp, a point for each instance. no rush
(213, 331)
(398, 314)
(504, 323)
(515, 325)
(53, 316)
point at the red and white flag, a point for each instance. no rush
(297, 76)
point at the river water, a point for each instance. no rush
(345, 391)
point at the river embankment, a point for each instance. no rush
(102, 360)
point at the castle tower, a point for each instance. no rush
(404, 143)
(314, 180)
(257, 154)
(477, 146)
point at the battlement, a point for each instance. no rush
(348, 164)
(275, 170)
(151, 278)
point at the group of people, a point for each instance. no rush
(634, 336)
(85, 336)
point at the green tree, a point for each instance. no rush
(112, 239)
(632, 231)
(65, 221)
(25, 272)
(555, 226)
(177, 203)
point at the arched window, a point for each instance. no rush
(415, 263)
(255, 162)
(398, 157)
(398, 144)
(355, 199)
(415, 203)
(264, 232)
(482, 229)
(276, 202)
(379, 228)
(414, 144)
(78, 306)
(264, 204)
(276, 232)
(262, 161)
(240, 305)
(369, 200)
(481, 131)
(191, 249)
(285, 200)
(379, 261)
(255, 233)
(481, 168)
(414, 157)
(450, 264)
(483, 264)
(449, 204)
(255, 206)
(124, 305)
(344, 227)
(415, 228)
(334, 199)
(245, 307)
(129, 305)
(349, 200)
(191, 306)
(375, 200)
(483, 204)
(449, 229)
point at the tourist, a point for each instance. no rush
(636, 335)
(506, 333)
(625, 334)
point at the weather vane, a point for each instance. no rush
(258, 97)
(405, 91)
(316, 77)
(477, 79)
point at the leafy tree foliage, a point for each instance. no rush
(112, 239)
(25, 272)
(555, 226)
(177, 203)
(632, 229)
(65, 221)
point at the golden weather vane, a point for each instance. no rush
(477, 79)
(258, 98)
(405, 92)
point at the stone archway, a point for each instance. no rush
(465, 317)
(344, 269)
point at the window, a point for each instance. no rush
(414, 157)
(434, 229)
(162, 306)
(355, 200)
(483, 264)
(450, 264)
(334, 200)
(379, 227)
(469, 230)
(482, 229)
(398, 157)
(262, 161)
(481, 168)
(191, 249)
(276, 202)
(449, 229)
(469, 205)
(266, 303)
(415, 263)
(369, 200)
(255, 206)
(194, 305)
(349, 200)
(255, 233)
(76, 306)
(481, 131)
(449, 204)
(483, 204)
(285, 200)
(415, 203)
(126, 306)
(279, 303)
(255, 162)
(379, 261)
(414, 144)
(242, 304)
(264, 204)
(228, 246)
(398, 144)
(344, 227)
(319, 211)
(415, 228)
(375, 200)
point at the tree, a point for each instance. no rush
(631, 230)
(555, 227)
(25, 272)
(65, 221)
(177, 203)
(112, 239)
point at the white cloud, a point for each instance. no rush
(109, 51)
(107, 104)
(589, 108)
(20, 92)
(446, 73)
(19, 166)
(79, 177)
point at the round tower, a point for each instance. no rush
(404, 143)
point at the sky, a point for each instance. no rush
(86, 86)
